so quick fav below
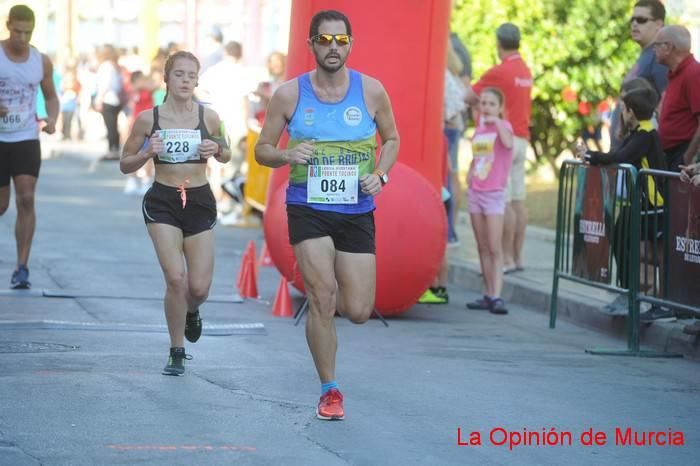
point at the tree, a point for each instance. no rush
(578, 50)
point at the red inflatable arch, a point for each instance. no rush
(403, 45)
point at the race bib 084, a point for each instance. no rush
(180, 145)
(332, 184)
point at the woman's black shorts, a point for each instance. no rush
(163, 204)
(350, 232)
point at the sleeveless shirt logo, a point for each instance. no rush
(309, 117)
(352, 116)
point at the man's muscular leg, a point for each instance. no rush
(25, 186)
(316, 260)
(356, 275)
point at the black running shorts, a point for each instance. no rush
(350, 232)
(163, 204)
(19, 158)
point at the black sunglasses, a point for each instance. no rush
(640, 19)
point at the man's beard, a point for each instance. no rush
(330, 68)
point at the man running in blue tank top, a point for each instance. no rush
(332, 115)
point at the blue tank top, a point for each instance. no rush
(344, 134)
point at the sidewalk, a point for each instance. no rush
(580, 304)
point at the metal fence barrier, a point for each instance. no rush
(598, 233)
(669, 213)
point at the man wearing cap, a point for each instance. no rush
(512, 77)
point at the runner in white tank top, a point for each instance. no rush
(23, 69)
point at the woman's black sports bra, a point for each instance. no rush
(202, 127)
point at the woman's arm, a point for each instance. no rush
(217, 144)
(134, 156)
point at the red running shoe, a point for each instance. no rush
(330, 406)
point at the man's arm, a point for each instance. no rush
(279, 112)
(50, 96)
(472, 98)
(386, 124)
(490, 79)
(693, 147)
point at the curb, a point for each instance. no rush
(581, 310)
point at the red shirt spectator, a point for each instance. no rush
(681, 105)
(144, 101)
(513, 77)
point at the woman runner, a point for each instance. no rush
(179, 210)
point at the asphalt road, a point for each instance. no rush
(88, 389)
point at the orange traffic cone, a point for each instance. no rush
(241, 271)
(250, 250)
(248, 255)
(265, 259)
(282, 307)
(248, 287)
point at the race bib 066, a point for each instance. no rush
(17, 118)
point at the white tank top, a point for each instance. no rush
(19, 84)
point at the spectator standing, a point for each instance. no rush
(225, 86)
(647, 19)
(70, 92)
(514, 79)
(260, 98)
(642, 149)
(465, 76)
(492, 146)
(142, 100)
(109, 97)
(214, 51)
(679, 126)
(453, 108)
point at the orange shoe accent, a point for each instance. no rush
(330, 406)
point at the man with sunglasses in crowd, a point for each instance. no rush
(647, 18)
(332, 115)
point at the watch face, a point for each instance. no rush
(384, 178)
